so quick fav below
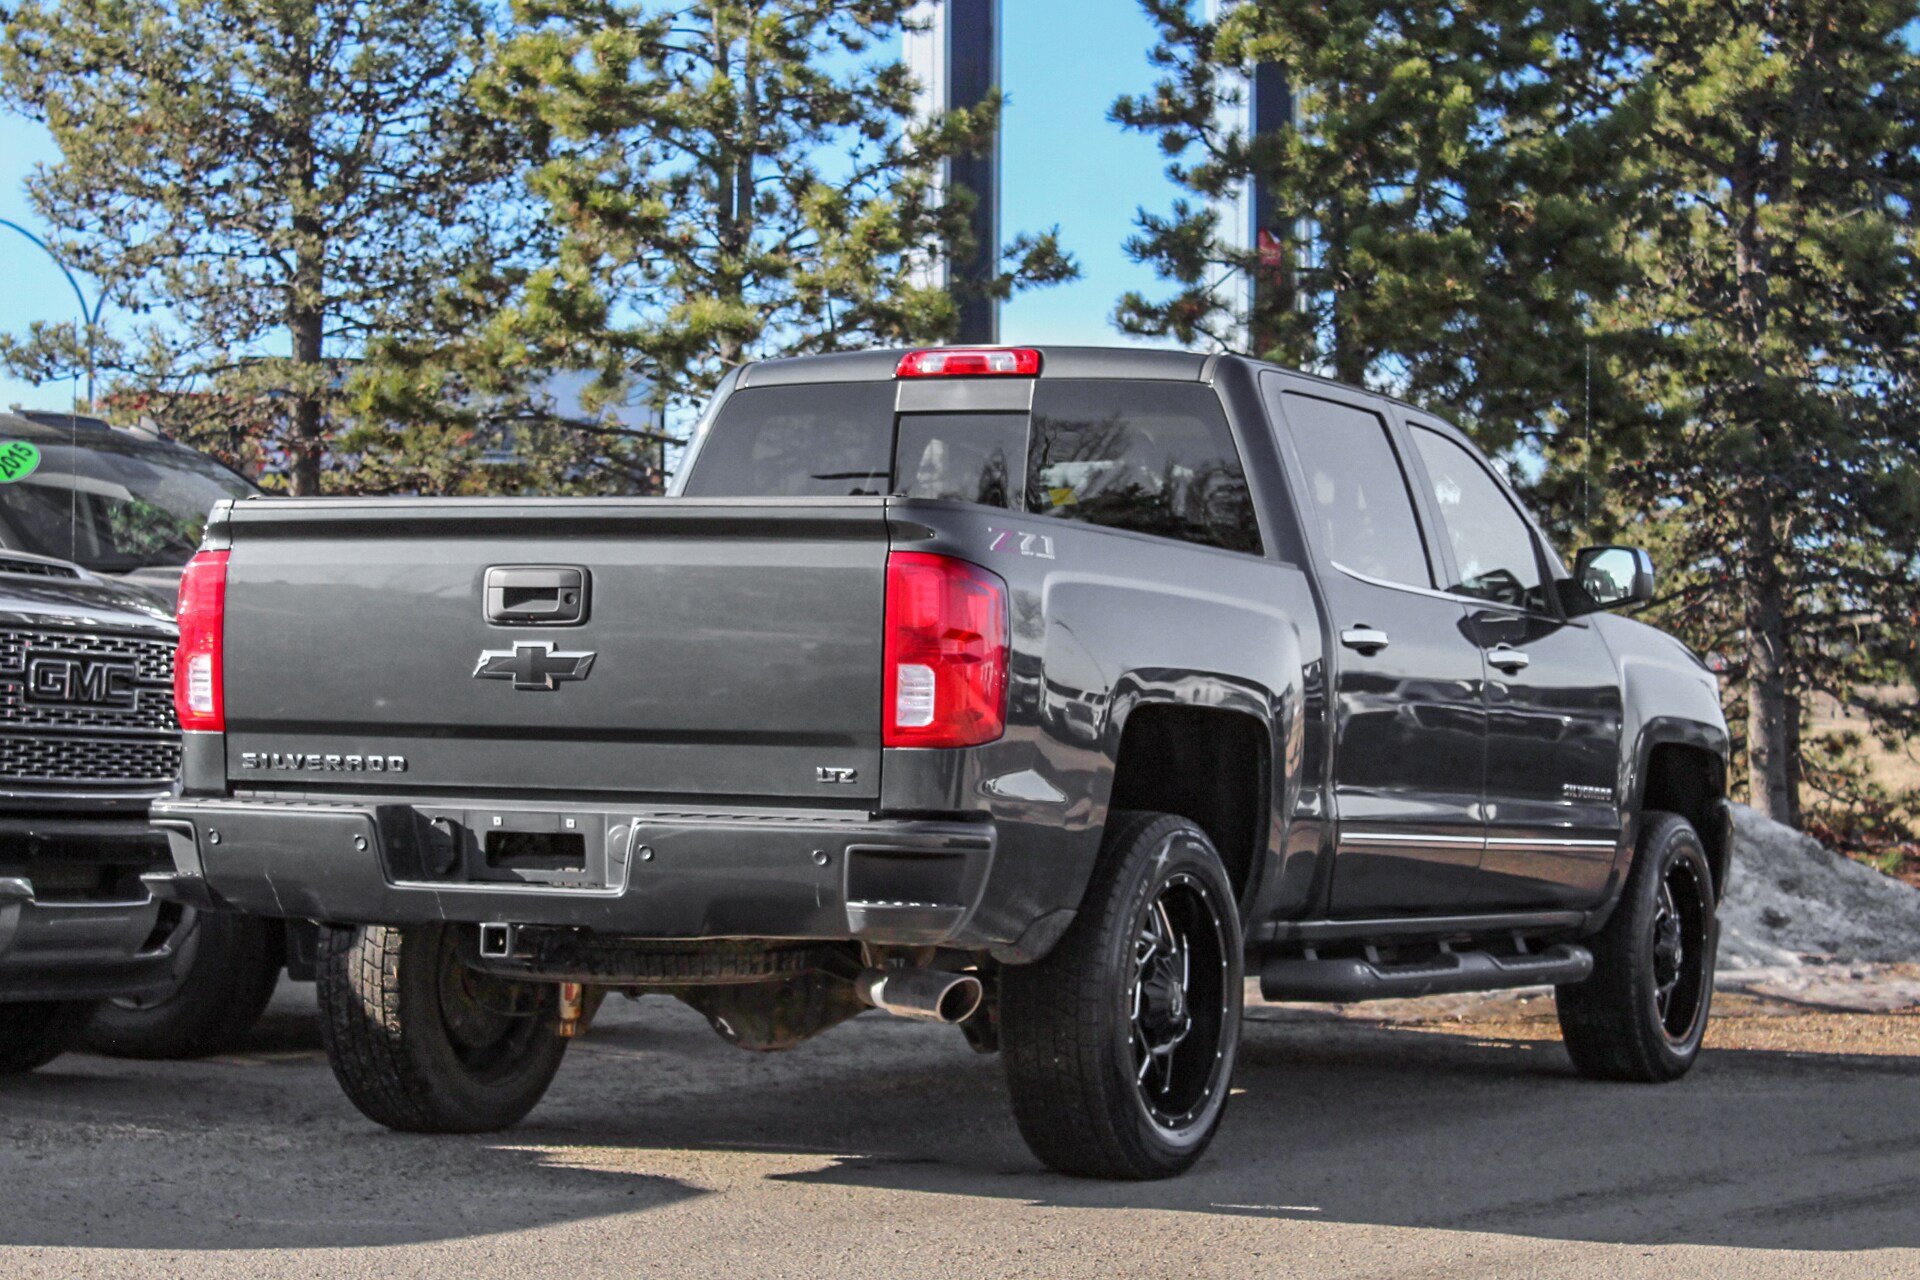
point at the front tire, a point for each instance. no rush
(1643, 1014)
(35, 1032)
(1119, 1045)
(225, 969)
(423, 1044)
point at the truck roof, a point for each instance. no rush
(878, 365)
(82, 429)
(1158, 364)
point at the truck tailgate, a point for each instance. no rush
(735, 647)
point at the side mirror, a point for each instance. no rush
(1607, 578)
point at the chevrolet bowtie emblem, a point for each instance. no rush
(533, 665)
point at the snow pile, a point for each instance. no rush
(1791, 901)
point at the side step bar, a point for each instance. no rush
(1341, 981)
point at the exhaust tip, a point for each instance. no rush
(926, 994)
(961, 998)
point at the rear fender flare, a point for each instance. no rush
(1277, 712)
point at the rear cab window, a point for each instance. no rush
(1152, 457)
(822, 440)
(1146, 456)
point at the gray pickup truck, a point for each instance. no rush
(1045, 692)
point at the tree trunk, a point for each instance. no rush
(1773, 698)
(306, 307)
(306, 324)
(735, 232)
(1773, 708)
(1349, 365)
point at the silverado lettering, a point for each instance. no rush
(327, 763)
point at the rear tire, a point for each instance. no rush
(1643, 1014)
(1119, 1045)
(225, 969)
(34, 1033)
(423, 1044)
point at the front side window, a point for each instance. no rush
(1360, 497)
(1493, 549)
(1152, 457)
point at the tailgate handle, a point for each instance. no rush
(534, 595)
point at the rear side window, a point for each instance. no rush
(1153, 457)
(821, 440)
(1361, 502)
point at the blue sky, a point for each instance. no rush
(1062, 65)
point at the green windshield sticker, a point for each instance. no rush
(18, 459)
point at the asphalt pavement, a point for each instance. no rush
(885, 1149)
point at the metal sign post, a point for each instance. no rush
(952, 48)
(1249, 227)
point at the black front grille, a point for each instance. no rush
(152, 655)
(92, 760)
(152, 709)
(84, 707)
(37, 568)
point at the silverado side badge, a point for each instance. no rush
(533, 665)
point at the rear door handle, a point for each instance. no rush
(1364, 638)
(1507, 658)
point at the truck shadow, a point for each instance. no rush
(258, 1149)
(1337, 1122)
(1332, 1122)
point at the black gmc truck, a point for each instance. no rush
(95, 523)
(1045, 692)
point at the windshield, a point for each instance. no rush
(113, 505)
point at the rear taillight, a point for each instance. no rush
(946, 652)
(199, 698)
(969, 362)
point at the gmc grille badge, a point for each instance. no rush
(83, 682)
(533, 665)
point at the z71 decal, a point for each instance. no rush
(1037, 545)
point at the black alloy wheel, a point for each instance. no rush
(1642, 1015)
(1119, 1044)
(1179, 1002)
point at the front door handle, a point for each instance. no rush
(1364, 638)
(1507, 658)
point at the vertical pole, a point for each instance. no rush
(1276, 247)
(924, 50)
(1233, 209)
(955, 57)
(1249, 225)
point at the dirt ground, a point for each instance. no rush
(1420, 1139)
(1741, 1023)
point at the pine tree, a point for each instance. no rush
(281, 179)
(1443, 195)
(727, 180)
(1772, 332)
